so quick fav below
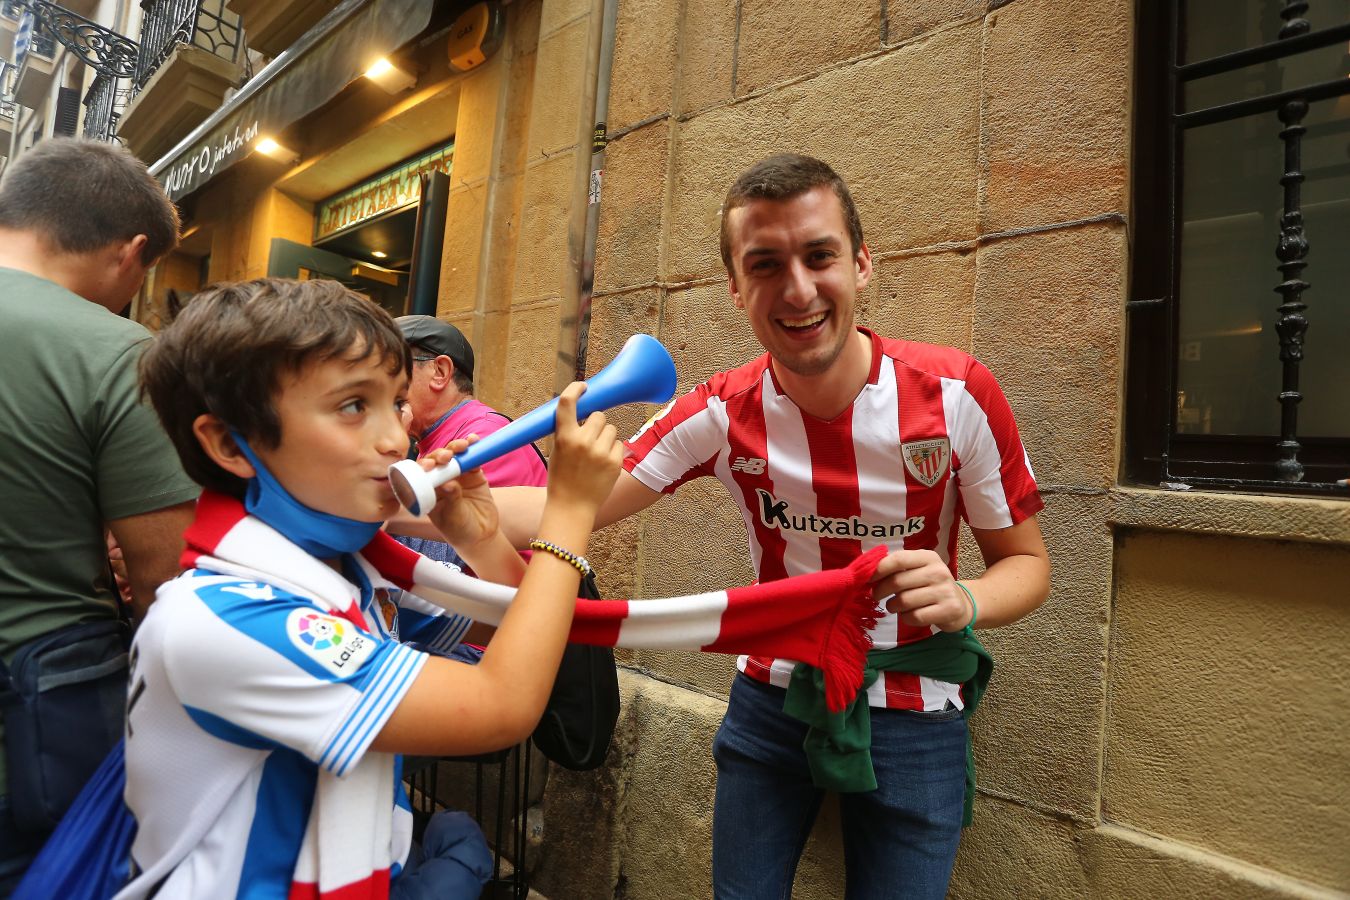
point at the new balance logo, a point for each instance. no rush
(749, 465)
(775, 513)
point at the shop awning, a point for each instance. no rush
(331, 55)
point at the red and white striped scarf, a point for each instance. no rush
(821, 618)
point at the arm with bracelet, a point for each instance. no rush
(460, 709)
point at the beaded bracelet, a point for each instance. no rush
(580, 563)
(974, 610)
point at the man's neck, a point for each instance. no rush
(829, 393)
(449, 400)
(31, 253)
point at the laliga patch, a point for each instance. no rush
(927, 460)
(336, 644)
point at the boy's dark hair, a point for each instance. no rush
(84, 195)
(782, 177)
(226, 353)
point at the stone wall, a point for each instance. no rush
(1157, 727)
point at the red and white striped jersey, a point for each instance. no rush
(929, 440)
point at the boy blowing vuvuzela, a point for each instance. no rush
(270, 692)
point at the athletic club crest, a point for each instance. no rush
(927, 460)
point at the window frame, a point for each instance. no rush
(1154, 453)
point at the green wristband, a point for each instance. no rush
(974, 610)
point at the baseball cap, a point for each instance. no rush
(440, 338)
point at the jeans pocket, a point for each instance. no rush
(948, 713)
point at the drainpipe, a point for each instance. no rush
(575, 315)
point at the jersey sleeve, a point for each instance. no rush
(259, 667)
(678, 444)
(137, 468)
(998, 489)
(429, 628)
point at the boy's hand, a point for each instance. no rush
(464, 511)
(586, 455)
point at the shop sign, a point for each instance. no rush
(196, 169)
(390, 190)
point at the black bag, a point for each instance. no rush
(64, 704)
(578, 721)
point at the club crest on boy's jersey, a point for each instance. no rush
(335, 644)
(927, 460)
(775, 513)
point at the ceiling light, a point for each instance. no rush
(269, 147)
(378, 254)
(389, 76)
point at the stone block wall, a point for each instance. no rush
(987, 143)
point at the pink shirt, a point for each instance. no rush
(519, 467)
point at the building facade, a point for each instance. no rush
(1135, 212)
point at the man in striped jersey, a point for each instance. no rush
(834, 441)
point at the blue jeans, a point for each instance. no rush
(899, 840)
(453, 861)
(17, 850)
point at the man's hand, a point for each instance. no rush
(464, 511)
(924, 591)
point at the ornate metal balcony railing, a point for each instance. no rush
(99, 48)
(103, 105)
(202, 23)
(8, 108)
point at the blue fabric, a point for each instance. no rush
(87, 856)
(317, 533)
(899, 840)
(284, 800)
(452, 863)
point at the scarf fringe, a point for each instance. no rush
(845, 647)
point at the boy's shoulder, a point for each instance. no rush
(203, 619)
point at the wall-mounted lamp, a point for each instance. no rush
(389, 76)
(269, 147)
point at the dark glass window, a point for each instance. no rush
(1239, 342)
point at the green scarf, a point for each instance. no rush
(839, 745)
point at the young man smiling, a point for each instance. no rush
(834, 441)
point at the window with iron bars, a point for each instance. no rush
(1238, 374)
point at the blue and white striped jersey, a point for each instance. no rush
(241, 692)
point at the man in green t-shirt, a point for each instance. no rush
(80, 224)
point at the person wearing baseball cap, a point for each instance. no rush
(442, 406)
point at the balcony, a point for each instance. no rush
(191, 53)
(9, 112)
(273, 25)
(104, 103)
(35, 75)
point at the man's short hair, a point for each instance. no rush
(782, 177)
(84, 195)
(227, 351)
